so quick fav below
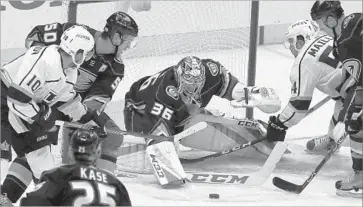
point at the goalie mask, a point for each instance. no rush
(304, 29)
(85, 147)
(190, 75)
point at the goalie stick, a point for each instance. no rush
(294, 188)
(245, 123)
(253, 179)
(189, 131)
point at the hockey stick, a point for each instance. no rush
(248, 123)
(294, 188)
(218, 154)
(253, 179)
(191, 130)
(318, 105)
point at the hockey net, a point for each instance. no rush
(168, 31)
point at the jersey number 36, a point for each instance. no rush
(90, 193)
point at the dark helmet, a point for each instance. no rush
(122, 23)
(326, 8)
(85, 146)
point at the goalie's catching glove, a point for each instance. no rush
(263, 98)
(276, 130)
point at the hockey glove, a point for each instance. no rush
(276, 130)
(93, 116)
(354, 125)
(44, 120)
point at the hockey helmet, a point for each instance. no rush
(78, 43)
(322, 9)
(85, 146)
(121, 24)
(190, 75)
(304, 28)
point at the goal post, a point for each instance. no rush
(251, 75)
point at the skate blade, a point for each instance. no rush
(350, 193)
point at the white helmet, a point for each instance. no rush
(77, 39)
(305, 28)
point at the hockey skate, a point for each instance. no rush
(5, 201)
(320, 145)
(352, 187)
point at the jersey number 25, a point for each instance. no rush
(104, 193)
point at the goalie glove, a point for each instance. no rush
(263, 98)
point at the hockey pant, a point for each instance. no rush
(356, 139)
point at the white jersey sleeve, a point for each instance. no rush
(37, 77)
(314, 67)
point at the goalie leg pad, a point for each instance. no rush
(165, 162)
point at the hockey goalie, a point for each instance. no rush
(174, 99)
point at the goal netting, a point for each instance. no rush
(170, 30)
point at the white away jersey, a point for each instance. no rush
(314, 67)
(35, 77)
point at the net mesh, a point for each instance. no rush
(169, 31)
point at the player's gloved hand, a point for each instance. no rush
(354, 124)
(276, 130)
(44, 120)
(98, 119)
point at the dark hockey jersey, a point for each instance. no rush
(98, 77)
(157, 98)
(349, 48)
(77, 185)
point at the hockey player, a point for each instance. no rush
(81, 183)
(30, 85)
(161, 104)
(314, 68)
(98, 77)
(347, 31)
(97, 80)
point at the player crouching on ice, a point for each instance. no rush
(347, 33)
(30, 85)
(314, 68)
(164, 103)
(81, 183)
